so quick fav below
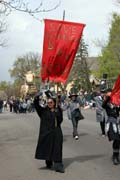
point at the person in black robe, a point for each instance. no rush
(112, 125)
(50, 140)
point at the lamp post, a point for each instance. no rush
(103, 82)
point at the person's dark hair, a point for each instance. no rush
(103, 90)
(54, 99)
(108, 90)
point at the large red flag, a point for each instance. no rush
(61, 40)
(115, 95)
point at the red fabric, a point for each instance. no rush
(115, 95)
(61, 40)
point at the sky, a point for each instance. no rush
(25, 33)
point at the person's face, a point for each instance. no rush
(108, 93)
(50, 103)
(73, 98)
(102, 94)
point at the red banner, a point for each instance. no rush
(115, 95)
(61, 41)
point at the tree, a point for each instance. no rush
(27, 6)
(80, 70)
(3, 95)
(110, 56)
(6, 89)
(3, 85)
(2, 30)
(23, 64)
(3, 26)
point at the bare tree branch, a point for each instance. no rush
(23, 6)
(3, 28)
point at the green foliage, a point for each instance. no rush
(10, 89)
(3, 85)
(80, 71)
(110, 57)
(23, 64)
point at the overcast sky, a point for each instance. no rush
(25, 34)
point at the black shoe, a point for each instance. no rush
(59, 168)
(73, 135)
(49, 164)
(116, 161)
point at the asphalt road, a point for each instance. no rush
(88, 158)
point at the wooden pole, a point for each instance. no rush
(57, 83)
(63, 15)
(63, 20)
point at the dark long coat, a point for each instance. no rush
(112, 110)
(50, 140)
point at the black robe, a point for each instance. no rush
(50, 138)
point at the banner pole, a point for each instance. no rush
(63, 15)
(57, 83)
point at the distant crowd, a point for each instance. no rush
(24, 105)
(17, 105)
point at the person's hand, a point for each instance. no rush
(38, 94)
(86, 107)
(108, 94)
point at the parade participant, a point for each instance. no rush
(112, 126)
(74, 112)
(10, 102)
(1, 105)
(50, 141)
(101, 115)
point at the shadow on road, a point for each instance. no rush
(69, 161)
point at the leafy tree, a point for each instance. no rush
(23, 64)
(3, 85)
(7, 89)
(110, 57)
(80, 71)
(3, 95)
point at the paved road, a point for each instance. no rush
(89, 158)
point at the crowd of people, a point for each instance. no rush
(23, 105)
(108, 115)
(51, 115)
(17, 105)
(50, 106)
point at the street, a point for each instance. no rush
(88, 158)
